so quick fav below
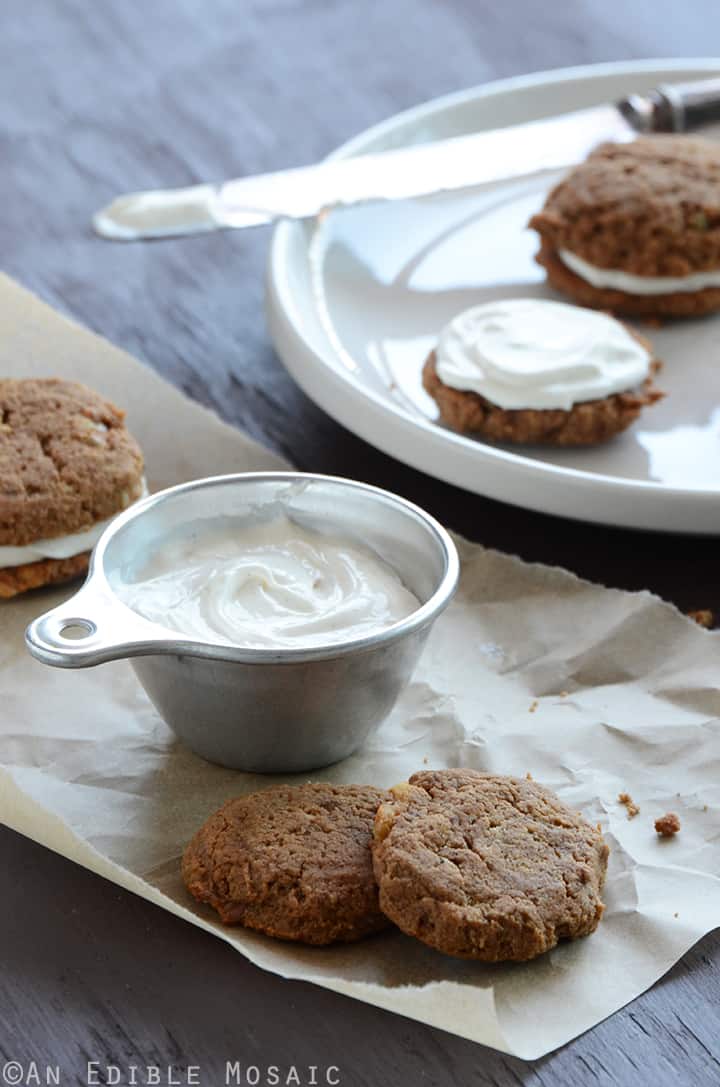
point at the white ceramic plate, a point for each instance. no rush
(355, 304)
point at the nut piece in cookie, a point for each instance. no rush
(635, 229)
(487, 867)
(293, 862)
(67, 465)
(530, 371)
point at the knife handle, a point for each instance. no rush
(674, 107)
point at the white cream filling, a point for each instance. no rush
(530, 353)
(616, 280)
(59, 547)
(273, 584)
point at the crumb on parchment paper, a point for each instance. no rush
(703, 617)
(667, 825)
(533, 705)
(629, 804)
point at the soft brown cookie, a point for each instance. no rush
(680, 304)
(647, 208)
(487, 867)
(588, 423)
(291, 861)
(34, 575)
(66, 463)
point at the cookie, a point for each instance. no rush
(34, 575)
(648, 210)
(487, 867)
(590, 422)
(67, 465)
(293, 862)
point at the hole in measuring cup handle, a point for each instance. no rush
(75, 630)
(63, 637)
(79, 633)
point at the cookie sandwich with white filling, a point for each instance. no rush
(67, 466)
(635, 229)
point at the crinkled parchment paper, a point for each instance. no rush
(593, 691)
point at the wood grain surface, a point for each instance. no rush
(97, 98)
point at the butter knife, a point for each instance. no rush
(419, 170)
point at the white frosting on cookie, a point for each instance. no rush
(616, 280)
(58, 547)
(530, 353)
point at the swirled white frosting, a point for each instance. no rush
(58, 547)
(531, 353)
(268, 585)
(616, 280)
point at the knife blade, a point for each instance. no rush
(462, 162)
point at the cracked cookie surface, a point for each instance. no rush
(66, 460)
(487, 867)
(293, 862)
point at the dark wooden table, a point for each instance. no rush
(98, 98)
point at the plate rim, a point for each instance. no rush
(286, 329)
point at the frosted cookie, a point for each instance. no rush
(525, 370)
(67, 465)
(293, 862)
(635, 229)
(487, 867)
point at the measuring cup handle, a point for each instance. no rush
(91, 628)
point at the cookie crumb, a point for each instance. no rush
(703, 617)
(564, 694)
(667, 825)
(630, 806)
(533, 705)
(425, 760)
(528, 776)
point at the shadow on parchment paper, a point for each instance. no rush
(389, 959)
